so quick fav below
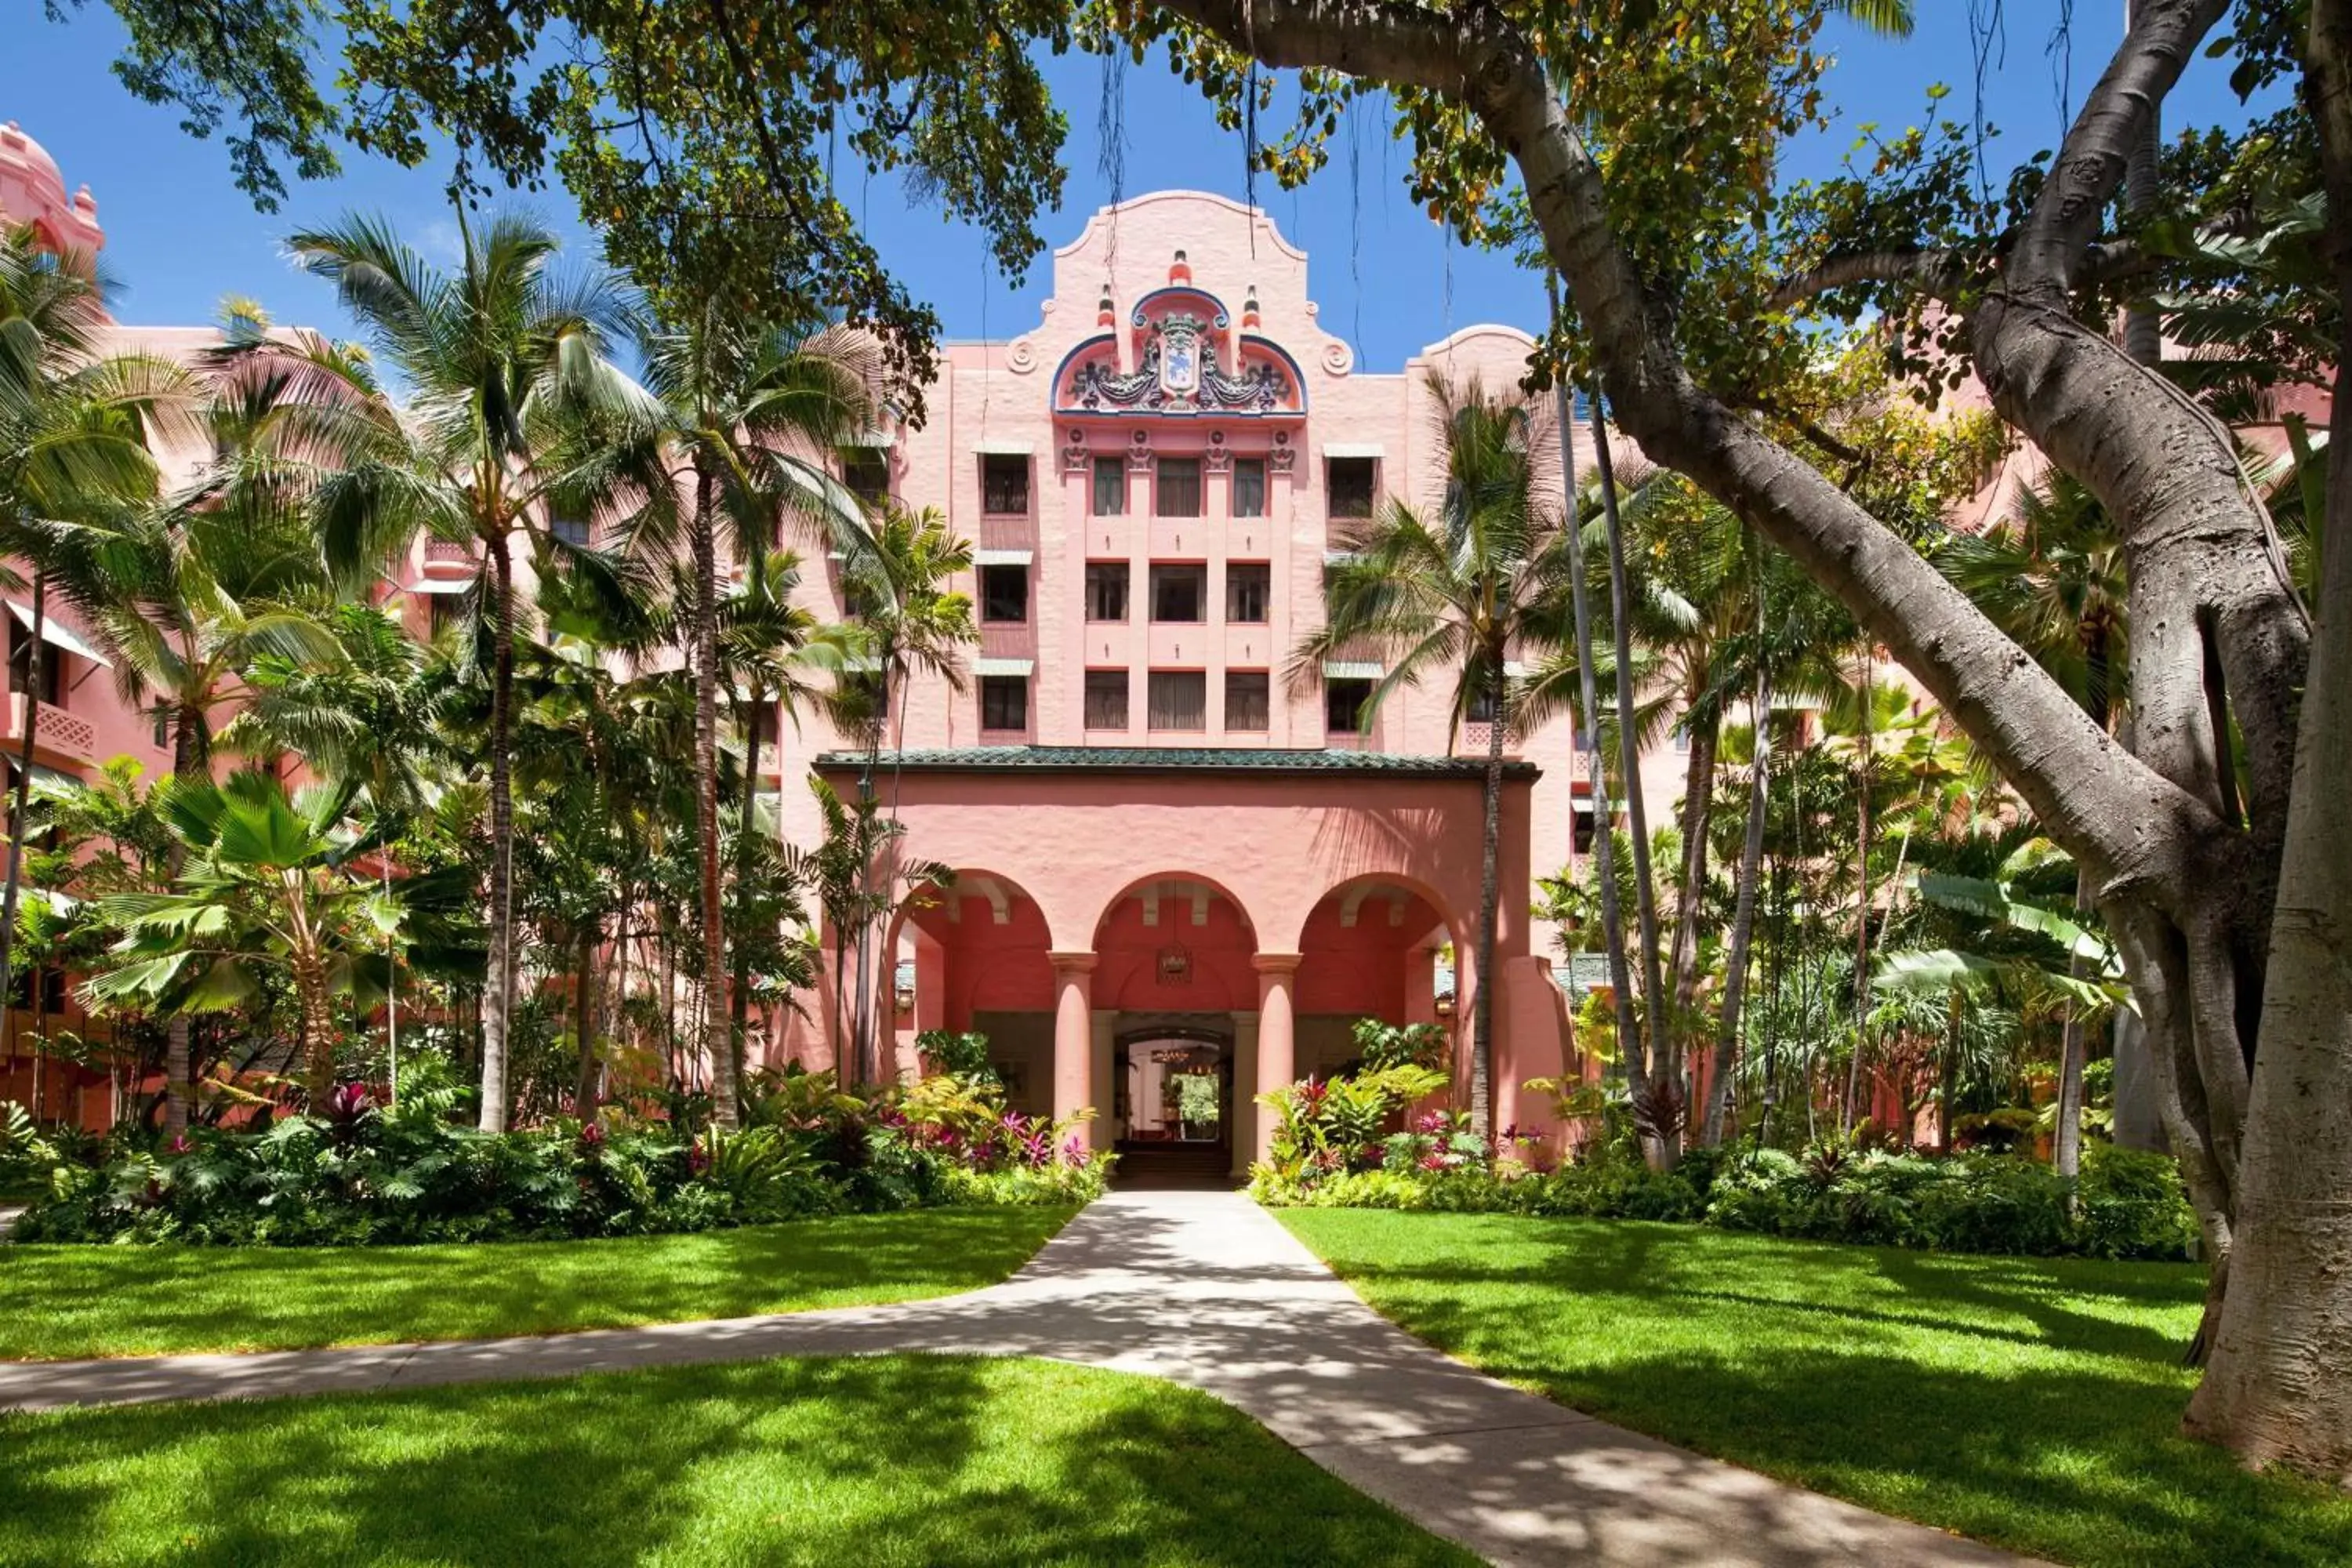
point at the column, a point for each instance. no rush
(1103, 1053)
(1073, 1036)
(1421, 985)
(1276, 971)
(1243, 1134)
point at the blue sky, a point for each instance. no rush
(181, 237)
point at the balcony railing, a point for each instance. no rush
(59, 733)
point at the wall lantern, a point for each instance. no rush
(1176, 965)
(1445, 1005)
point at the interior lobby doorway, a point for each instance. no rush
(1173, 1103)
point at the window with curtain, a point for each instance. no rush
(1110, 487)
(1249, 587)
(1179, 700)
(1105, 700)
(1004, 593)
(20, 665)
(1343, 703)
(866, 472)
(1348, 485)
(1249, 486)
(1004, 702)
(1106, 590)
(1180, 592)
(1177, 492)
(1247, 693)
(1004, 484)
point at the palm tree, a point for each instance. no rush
(914, 624)
(266, 888)
(74, 462)
(1453, 593)
(2052, 576)
(747, 413)
(505, 365)
(772, 653)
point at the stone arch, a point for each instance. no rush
(1175, 941)
(974, 955)
(1368, 948)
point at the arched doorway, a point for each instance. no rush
(972, 956)
(1173, 1102)
(1175, 1007)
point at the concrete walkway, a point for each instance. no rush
(1207, 1289)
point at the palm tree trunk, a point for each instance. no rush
(1705, 730)
(717, 1039)
(498, 990)
(1490, 852)
(179, 1057)
(1861, 901)
(1743, 919)
(1604, 858)
(318, 1026)
(583, 1026)
(1656, 1096)
(739, 989)
(21, 801)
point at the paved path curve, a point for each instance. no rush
(1207, 1289)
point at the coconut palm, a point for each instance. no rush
(75, 463)
(505, 365)
(1454, 594)
(747, 416)
(913, 624)
(266, 886)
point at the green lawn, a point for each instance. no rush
(65, 1301)
(904, 1459)
(2028, 1403)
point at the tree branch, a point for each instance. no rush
(1934, 273)
(2094, 796)
(2089, 168)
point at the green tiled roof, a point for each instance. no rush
(1176, 759)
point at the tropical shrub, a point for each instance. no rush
(359, 1174)
(1325, 1127)
(2127, 1204)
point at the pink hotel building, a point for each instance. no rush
(1173, 857)
(1173, 852)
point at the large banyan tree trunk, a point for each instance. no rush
(2276, 1389)
(2185, 871)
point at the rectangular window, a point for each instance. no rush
(1179, 699)
(20, 665)
(1004, 484)
(1482, 708)
(1105, 700)
(1178, 491)
(1246, 692)
(1348, 486)
(1249, 587)
(1249, 486)
(572, 531)
(1004, 593)
(1343, 704)
(443, 613)
(1106, 590)
(763, 731)
(1110, 487)
(1004, 702)
(1180, 592)
(866, 472)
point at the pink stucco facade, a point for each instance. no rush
(1159, 823)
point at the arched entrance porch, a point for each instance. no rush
(1173, 1007)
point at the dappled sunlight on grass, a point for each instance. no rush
(65, 1301)
(2033, 1403)
(894, 1460)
